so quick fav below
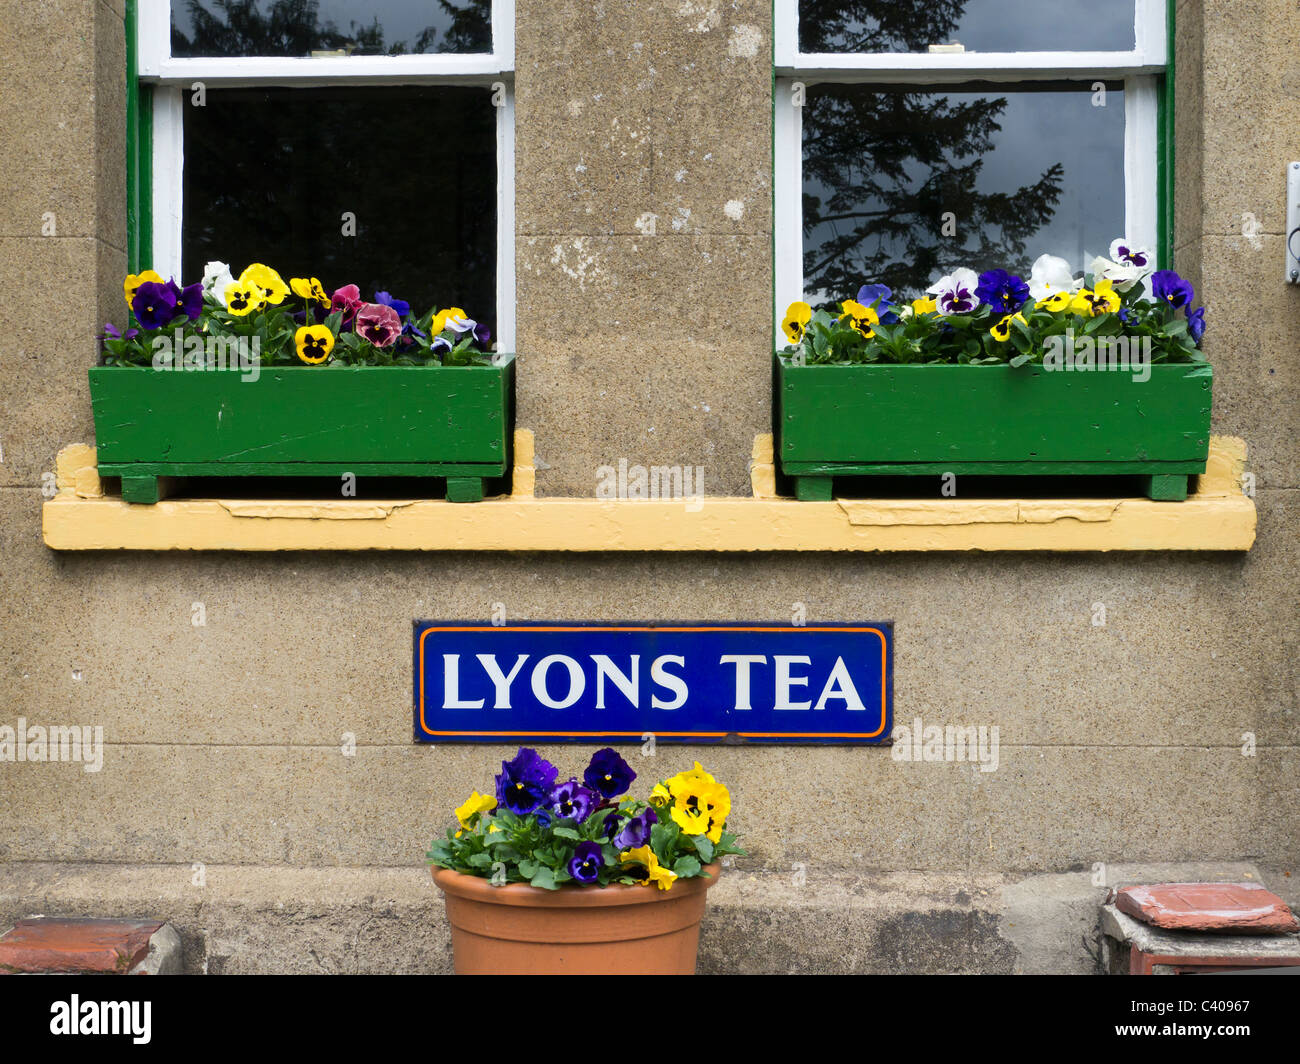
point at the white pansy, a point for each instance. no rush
(1126, 254)
(955, 294)
(216, 279)
(1051, 274)
(1126, 266)
(1121, 277)
(457, 324)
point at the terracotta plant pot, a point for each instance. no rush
(617, 930)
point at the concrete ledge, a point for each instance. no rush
(1217, 518)
(272, 919)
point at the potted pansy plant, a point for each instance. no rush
(251, 376)
(996, 374)
(544, 875)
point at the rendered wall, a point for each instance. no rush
(1118, 743)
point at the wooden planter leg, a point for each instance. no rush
(813, 489)
(142, 489)
(1166, 487)
(464, 489)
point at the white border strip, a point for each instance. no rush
(505, 323)
(356, 70)
(971, 66)
(788, 193)
(168, 168)
(1141, 159)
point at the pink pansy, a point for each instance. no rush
(346, 299)
(378, 324)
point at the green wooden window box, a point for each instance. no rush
(391, 421)
(872, 420)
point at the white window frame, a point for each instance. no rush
(1139, 69)
(173, 77)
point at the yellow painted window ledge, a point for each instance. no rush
(1217, 517)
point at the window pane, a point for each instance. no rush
(979, 25)
(271, 175)
(901, 186)
(343, 27)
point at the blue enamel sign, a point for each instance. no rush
(686, 682)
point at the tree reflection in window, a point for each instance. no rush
(978, 25)
(904, 183)
(296, 28)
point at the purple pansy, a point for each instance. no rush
(636, 832)
(608, 773)
(572, 801)
(154, 304)
(402, 307)
(882, 297)
(1004, 292)
(482, 334)
(525, 782)
(409, 332)
(189, 300)
(1196, 323)
(110, 332)
(1169, 288)
(586, 863)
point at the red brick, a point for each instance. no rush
(76, 945)
(1242, 908)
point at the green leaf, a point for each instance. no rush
(566, 833)
(1019, 360)
(543, 878)
(703, 847)
(686, 866)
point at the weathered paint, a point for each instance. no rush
(1219, 518)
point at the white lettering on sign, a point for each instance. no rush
(784, 681)
(577, 681)
(451, 684)
(499, 679)
(742, 663)
(628, 685)
(568, 677)
(659, 674)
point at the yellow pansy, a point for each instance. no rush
(660, 795)
(1101, 299)
(309, 289)
(314, 344)
(701, 808)
(475, 804)
(860, 318)
(797, 318)
(1056, 302)
(684, 779)
(135, 280)
(267, 280)
(241, 299)
(1002, 330)
(440, 319)
(655, 872)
